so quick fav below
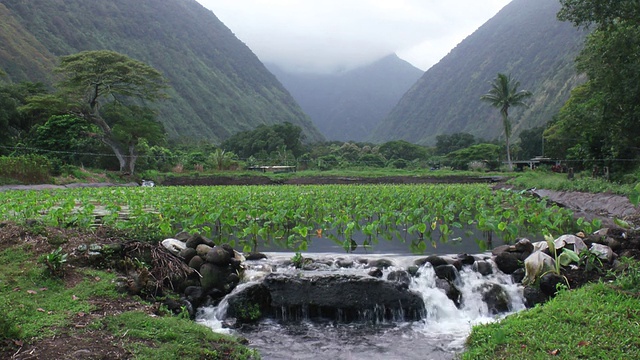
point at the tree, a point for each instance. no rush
(400, 149)
(94, 78)
(531, 142)
(450, 143)
(64, 137)
(503, 95)
(600, 120)
(604, 13)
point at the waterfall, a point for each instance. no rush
(444, 326)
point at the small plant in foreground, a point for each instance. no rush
(591, 261)
(564, 259)
(297, 260)
(630, 279)
(55, 262)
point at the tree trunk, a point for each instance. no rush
(131, 159)
(117, 150)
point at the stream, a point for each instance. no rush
(439, 335)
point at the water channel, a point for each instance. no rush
(439, 335)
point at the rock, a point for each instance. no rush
(518, 276)
(195, 295)
(173, 245)
(535, 265)
(218, 256)
(187, 254)
(344, 263)
(501, 249)
(572, 242)
(447, 272)
(229, 249)
(450, 290)
(433, 260)
(235, 264)
(533, 296)
(183, 236)
(376, 273)
(193, 241)
(549, 283)
(344, 297)
(401, 277)
(614, 244)
(380, 263)
(604, 252)
(508, 262)
(203, 250)
(255, 256)
(212, 276)
(466, 259)
(196, 262)
(524, 246)
(250, 304)
(413, 270)
(484, 268)
(496, 298)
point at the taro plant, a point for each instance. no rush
(564, 259)
(55, 262)
(591, 261)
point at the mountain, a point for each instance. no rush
(525, 40)
(219, 87)
(347, 106)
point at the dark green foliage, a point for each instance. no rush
(601, 12)
(219, 87)
(449, 143)
(28, 169)
(486, 153)
(13, 120)
(524, 39)
(266, 140)
(599, 124)
(402, 150)
(67, 138)
(531, 143)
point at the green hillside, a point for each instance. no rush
(347, 106)
(218, 86)
(525, 40)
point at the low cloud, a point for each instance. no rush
(335, 35)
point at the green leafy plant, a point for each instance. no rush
(297, 260)
(55, 262)
(629, 280)
(564, 259)
(591, 261)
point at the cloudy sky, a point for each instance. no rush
(335, 35)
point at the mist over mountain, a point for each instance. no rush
(525, 40)
(347, 106)
(218, 86)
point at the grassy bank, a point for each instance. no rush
(598, 321)
(55, 317)
(581, 182)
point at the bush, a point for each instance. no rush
(28, 169)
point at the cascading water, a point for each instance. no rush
(439, 335)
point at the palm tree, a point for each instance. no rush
(503, 95)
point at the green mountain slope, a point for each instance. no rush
(347, 106)
(219, 86)
(525, 40)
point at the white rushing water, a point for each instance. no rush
(440, 335)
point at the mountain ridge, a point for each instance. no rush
(346, 106)
(525, 40)
(219, 87)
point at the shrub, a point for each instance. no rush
(29, 169)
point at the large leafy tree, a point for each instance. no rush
(95, 78)
(601, 118)
(504, 94)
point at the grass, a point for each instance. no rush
(173, 338)
(36, 306)
(598, 321)
(43, 302)
(582, 182)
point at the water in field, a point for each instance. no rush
(440, 335)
